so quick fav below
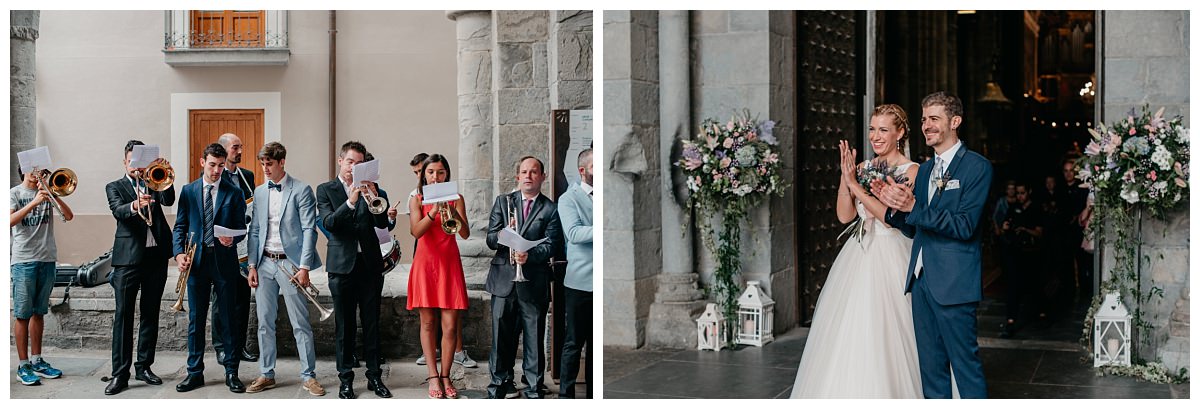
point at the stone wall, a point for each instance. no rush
(1146, 61)
(23, 34)
(632, 225)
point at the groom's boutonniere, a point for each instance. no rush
(942, 181)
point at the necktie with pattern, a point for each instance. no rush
(208, 216)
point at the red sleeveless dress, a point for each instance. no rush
(436, 279)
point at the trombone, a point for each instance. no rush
(181, 285)
(157, 177)
(309, 292)
(59, 183)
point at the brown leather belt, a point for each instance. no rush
(276, 256)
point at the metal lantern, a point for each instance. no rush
(756, 312)
(1110, 334)
(710, 329)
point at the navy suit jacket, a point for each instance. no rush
(231, 213)
(948, 228)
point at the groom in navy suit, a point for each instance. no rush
(941, 212)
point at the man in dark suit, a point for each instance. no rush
(355, 267)
(941, 212)
(207, 202)
(244, 179)
(139, 260)
(520, 307)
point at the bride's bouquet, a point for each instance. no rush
(870, 172)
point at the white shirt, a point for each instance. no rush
(149, 234)
(274, 242)
(587, 189)
(946, 157)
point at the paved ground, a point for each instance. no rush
(1038, 363)
(83, 370)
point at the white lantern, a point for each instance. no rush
(1110, 335)
(710, 329)
(756, 313)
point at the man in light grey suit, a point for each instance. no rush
(575, 213)
(283, 236)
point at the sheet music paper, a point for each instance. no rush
(221, 231)
(581, 138)
(384, 235)
(142, 155)
(366, 172)
(38, 157)
(440, 192)
(509, 237)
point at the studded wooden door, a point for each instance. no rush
(829, 110)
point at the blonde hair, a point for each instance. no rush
(900, 119)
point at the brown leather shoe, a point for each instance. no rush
(313, 387)
(261, 384)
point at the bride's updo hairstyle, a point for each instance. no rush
(899, 119)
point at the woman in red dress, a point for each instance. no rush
(436, 286)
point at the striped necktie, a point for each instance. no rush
(208, 216)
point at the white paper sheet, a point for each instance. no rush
(581, 138)
(366, 172)
(510, 238)
(221, 231)
(384, 235)
(142, 155)
(38, 157)
(440, 192)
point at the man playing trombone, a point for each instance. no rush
(283, 249)
(139, 258)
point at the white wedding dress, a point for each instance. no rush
(861, 343)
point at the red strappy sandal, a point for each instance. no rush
(436, 393)
(451, 392)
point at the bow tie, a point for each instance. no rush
(274, 186)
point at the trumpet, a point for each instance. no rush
(512, 254)
(181, 285)
(59, 183)
(450, 225)
(309, 292)
(375, 204)
(157, 177)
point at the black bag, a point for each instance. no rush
(90, 274)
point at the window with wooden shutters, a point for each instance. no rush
(227, 28)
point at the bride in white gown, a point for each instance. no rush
(861, 343)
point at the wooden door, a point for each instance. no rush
(227, 28)
(206, 125)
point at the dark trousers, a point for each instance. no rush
(201, 283)
(579, 332)
(359, 291)
(513, 317)
(946, 338)
(149, 277)
(240, 318)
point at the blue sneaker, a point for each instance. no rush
(44, 369)
(25, 372)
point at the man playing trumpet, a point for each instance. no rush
(283, 237)
(204, 204)
(140, 252)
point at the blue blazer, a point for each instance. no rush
(575, 213)
(948, 228)
(297, 224)
(231, 213)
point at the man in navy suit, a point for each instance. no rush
(207, 202)
(941, 212)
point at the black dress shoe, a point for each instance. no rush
(346, 391)
(377, 386)
(147, 376)
(191, 382)
(116, 385)
(249, 357)
(235, 385)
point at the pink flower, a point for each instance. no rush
(725, 162)
(1132, 131)
(751, 136)
(728, 143)
(692, 163)
(1092, 149)
(712, 141)
(729, 125)
(1153, 175)
(1179, 182)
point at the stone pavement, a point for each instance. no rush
(83, 370)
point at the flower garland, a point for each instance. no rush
(730, 168)
(1138, 165)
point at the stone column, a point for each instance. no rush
(571, 59)
(1146, 62)
(23, 33)
(678, 300)
(521, 93)
(632, 190)
(475, 149)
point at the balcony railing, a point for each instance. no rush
(216, 38)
